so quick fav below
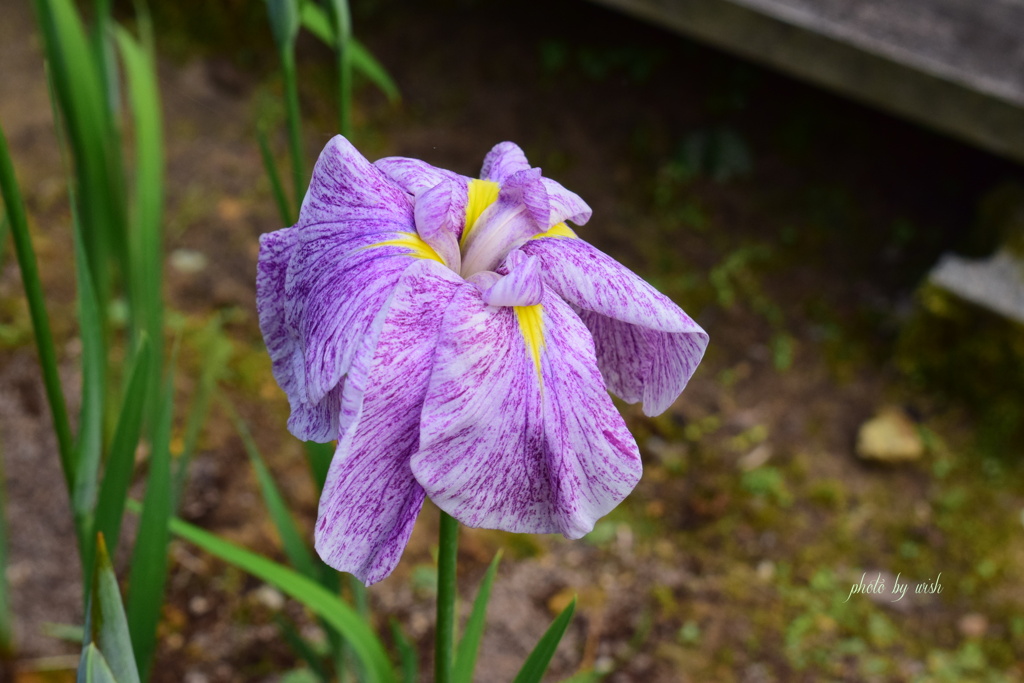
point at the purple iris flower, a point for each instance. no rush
(459, 340)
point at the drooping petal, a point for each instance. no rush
(527, 188)
(565, 205)
(522, 286)
(371, 499)
(647, 347)
(504, 159)
(308, 421)
(348, 191)
(414, 176)
(440, 217)
(517, 431)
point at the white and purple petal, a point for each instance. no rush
(521, 286)
(371, 498)
(440, 217)
(647, 347)
(517, 432)
(412, 175)
(504, 160)
(348, 191)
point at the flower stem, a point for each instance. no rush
(444, 635)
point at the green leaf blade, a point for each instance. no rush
(365, 645)
(107, 626)
(469, 646)
(537, 663)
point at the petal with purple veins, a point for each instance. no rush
(647, 347)
(371, 499)
(350, 192)
(504, 159)
(517, 431)
(414, 176)
(440, 217)
(522, 286)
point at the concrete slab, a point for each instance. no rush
(954, 65)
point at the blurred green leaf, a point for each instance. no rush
(117, 475)
(216, 350)
(319, 456)
(106, 625)
(365, 645)
(146, 236)
(537, 663)
(303, 649)
(408, 659)
(93, 668)
(149, 559)
(280, 198)
(15, 210)
(294, 547)
(89, 442)
(465, 654)
(317, 22)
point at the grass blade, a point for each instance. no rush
(283, 208)
(465, 655)
(117, 476)
(407, 657)
(367, 64)
(365, 645)
(302, 648)
(94, 668)
(319, 456)
(146, 236)
(537, 663)
(316, 21)
(106, 625)
(215, 349)
(5, 227)
(89, 444)
(294, 547)
(37, 310)
(149, 558)
(342, 21)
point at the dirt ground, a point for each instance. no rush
(796, 227)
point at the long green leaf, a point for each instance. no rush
(317, 22)
(407, 657)
(106, 625)
(319, 456)
(341, 20)
(294, 547)
(5, 227)
(537, 663)
(366, 646)
(280, 198)
(146, 236)
(149, 558)
(216, 350)
(93, 668)
(465, 655)
(79, 86)
(302, 648)
(117, 475)
(37, 310)
(89, 444)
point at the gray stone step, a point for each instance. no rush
(954, 65)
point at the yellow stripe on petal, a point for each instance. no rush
(482, 193)
(556, 230)
(531, 324)
(414, 243)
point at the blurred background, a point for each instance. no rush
(852, 418)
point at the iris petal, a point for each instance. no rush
(412, 175)
(371, 499)
(505, 447)
(504, 159)
(647, 347)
